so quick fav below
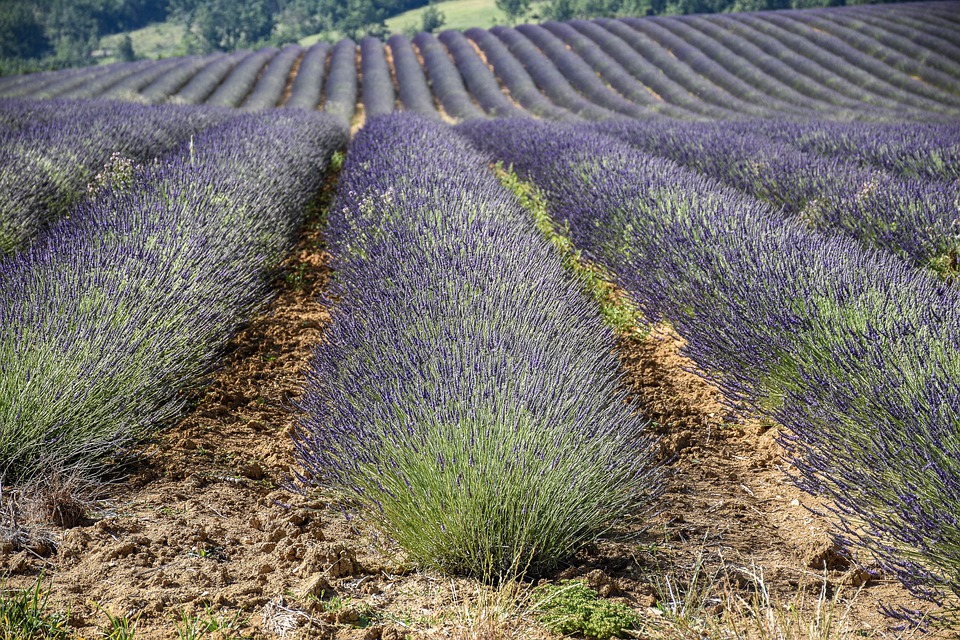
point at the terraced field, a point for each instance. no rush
(854, 63)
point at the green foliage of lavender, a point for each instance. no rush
(852, 350)
(111, 318)
(466, 394)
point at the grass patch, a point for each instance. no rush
(461, 14)
(25, 615)
(619, 312)
(572, 607)
(158, 40)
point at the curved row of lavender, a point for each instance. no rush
(50, 151)
(916, 150)
(852, 350)
(110, 320)
(915, 218)
(842, 63)
(466, 393)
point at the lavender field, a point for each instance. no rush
(665, 307)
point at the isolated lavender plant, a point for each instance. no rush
(111, 319)
(854, 352)
(466, 394)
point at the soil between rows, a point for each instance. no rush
(205, 521)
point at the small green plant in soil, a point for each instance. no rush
(24, 615)
(572, 607)
(119, 626)
(202, 625)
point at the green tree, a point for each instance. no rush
(73, 30)
(125, 49)
(515, 9)
(21, 33)
(225, 25)
(432, 19)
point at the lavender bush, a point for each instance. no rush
(851, 350)
(466, 394)
(48, 161)
(914, 150)
(109, 322)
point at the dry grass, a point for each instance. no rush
(31, 514)
(736, 602)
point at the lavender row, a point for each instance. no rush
(514, 77)
(816, 73)
(466, 393)
(341, 87)
(843, 46)
(852, 78)
(917, 150)
(109, 322)
(412, 89)
(377, 92)
(547, 77)
(235, 88)
(835, 63)
(904, 53)
(581, 75)
(445, 79)
(130, 86)
(272, 82)
(200, 86)
(753, 90)
(774, 78)
(924, 28)
(307, 87)
(851, 350)
(612, 72)
(47, 161)
(480, 81)
(641, 63)
(914, 219)
(171, 82)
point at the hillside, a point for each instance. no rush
(858, 63)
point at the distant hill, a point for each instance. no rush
(50, 34)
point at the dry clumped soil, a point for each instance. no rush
(206, 524)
